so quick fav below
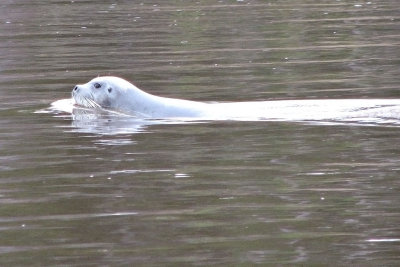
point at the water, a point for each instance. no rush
(223, 192)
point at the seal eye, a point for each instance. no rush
(97, 85)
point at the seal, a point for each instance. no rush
(119, 95)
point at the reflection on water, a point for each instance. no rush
(215, 193)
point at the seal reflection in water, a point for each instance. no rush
(119, 95)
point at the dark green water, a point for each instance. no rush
(217, 193)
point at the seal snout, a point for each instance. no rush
(75, 91)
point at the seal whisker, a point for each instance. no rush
(86, 102)
(89, 102)
(93, 103)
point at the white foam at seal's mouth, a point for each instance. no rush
(64, 105)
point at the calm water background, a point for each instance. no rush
(229, 193)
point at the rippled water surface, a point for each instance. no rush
(78, 193)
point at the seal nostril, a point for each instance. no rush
(76, 88)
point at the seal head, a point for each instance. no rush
(98, 93)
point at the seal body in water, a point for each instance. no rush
(119, 95)
(116, 94)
